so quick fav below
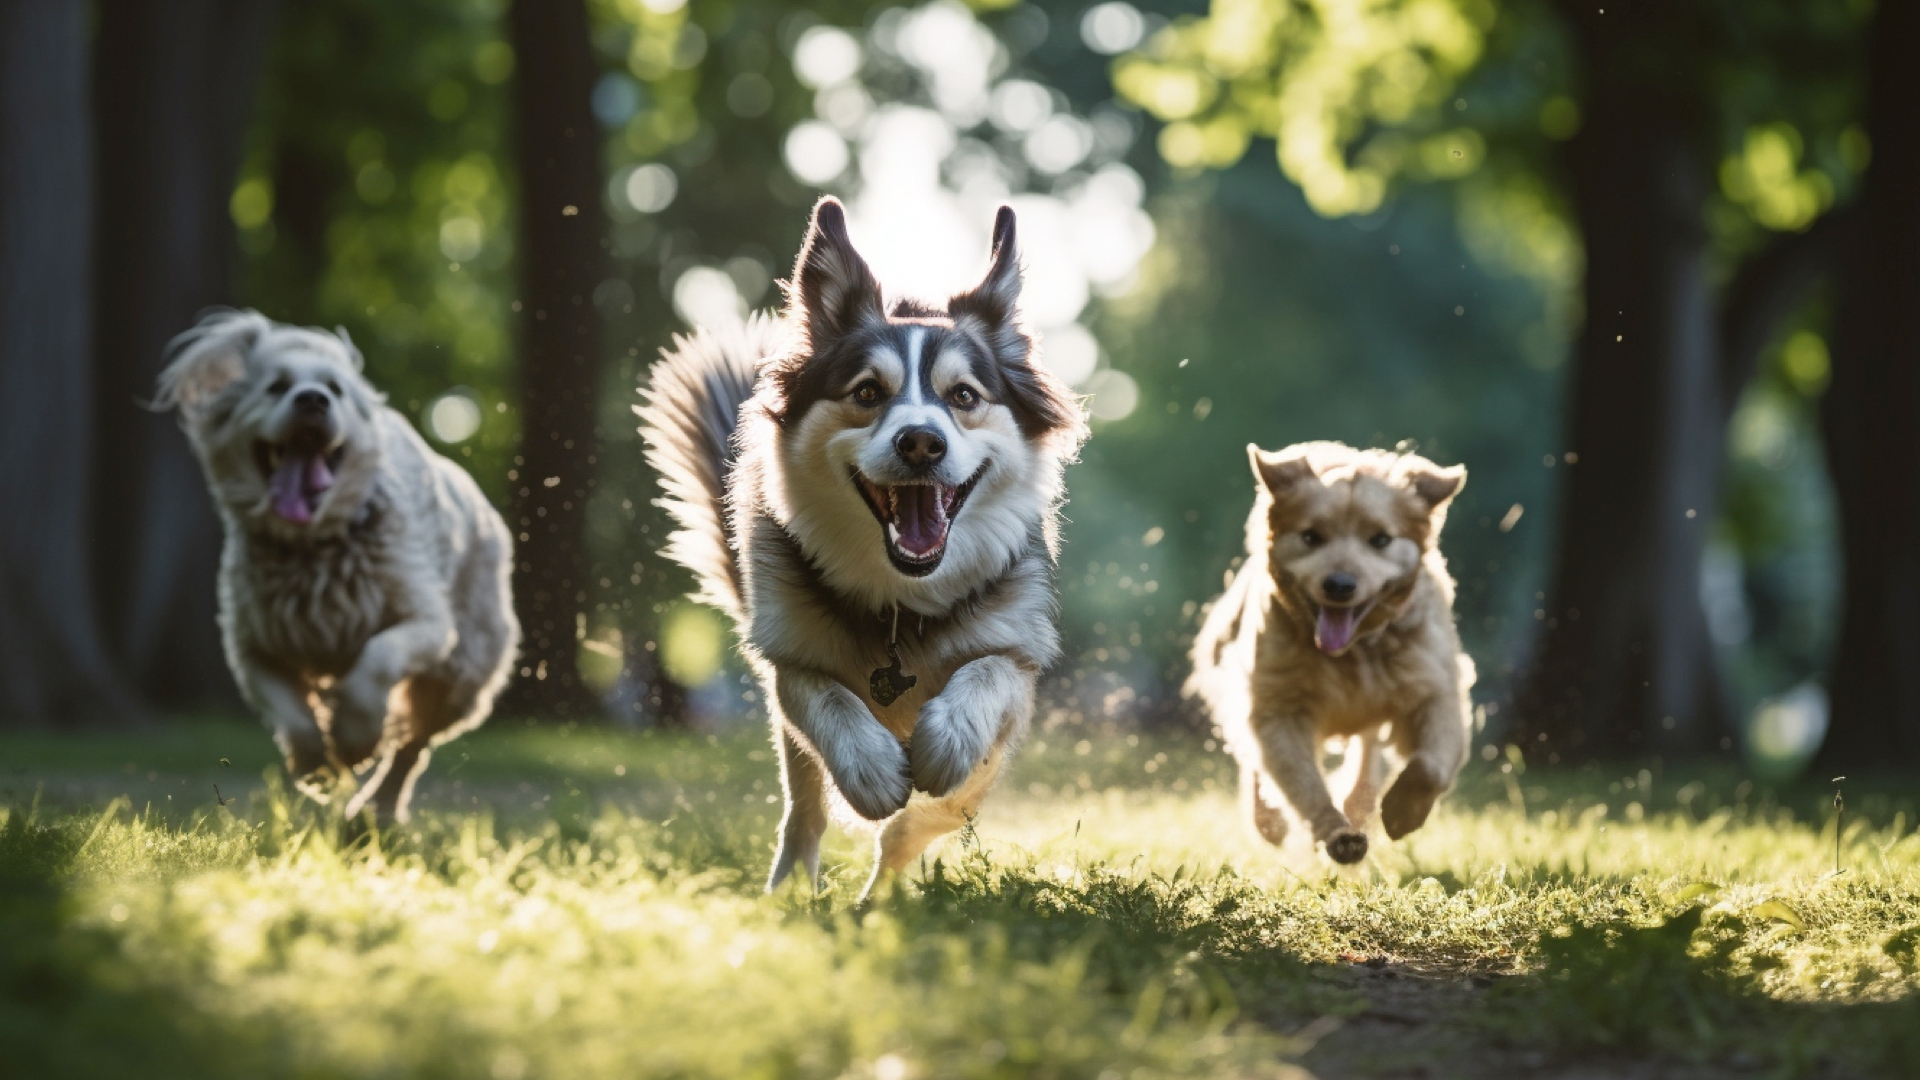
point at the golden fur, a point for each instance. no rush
(1286, 667)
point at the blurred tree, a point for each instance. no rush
(1357, 96)
(1872, 415)
(563, 259)
(54, 669)
(175, 85)
(376, 195)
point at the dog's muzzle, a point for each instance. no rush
(915, 518)
(300, 469)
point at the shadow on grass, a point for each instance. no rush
(1192, 949)
(1686, 988)
(73, 1005)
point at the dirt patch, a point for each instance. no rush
(1426, 1024)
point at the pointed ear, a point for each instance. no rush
(831, 282)
(353, 351)
(997, 294)
(205, 360)
(1434, 485)
(1277, 471)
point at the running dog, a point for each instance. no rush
(1339, 627)
(872, 494)
(364, 597)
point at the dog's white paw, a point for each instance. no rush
(947, 746)
(870, 769)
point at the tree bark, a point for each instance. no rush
(175, 87)
(563, 227)
(53, 668)
(1623, 663)
(1871, 416)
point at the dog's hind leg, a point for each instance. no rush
(1362, 772)
(805, 784)
(430, 707)
(908, 833)
(1267, 819)
(390, 789)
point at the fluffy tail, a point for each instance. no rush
(690, 408)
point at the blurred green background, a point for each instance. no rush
(1389, 222)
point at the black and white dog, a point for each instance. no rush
(873, 496)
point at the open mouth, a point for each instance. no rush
(1334, 627)
(298, 477)
(916, 518)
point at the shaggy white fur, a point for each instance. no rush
(364, 597)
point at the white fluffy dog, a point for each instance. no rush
(364, 598)
(872, 493)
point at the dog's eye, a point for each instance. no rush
(1381, 540)
(963, 397)
(1312, 537)
(868, 393)
(280, 386)
(333, 386)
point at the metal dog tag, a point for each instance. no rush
(888, 683)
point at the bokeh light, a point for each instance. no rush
(692, 644)
(651, 188)
(1112, 27)
(825, 55)
(708, 296)
(454, 417)
(815, 152)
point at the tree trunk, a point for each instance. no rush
(53, 668)
(563, 228)
(1871, 416)
(175, 86)
(1623, 663)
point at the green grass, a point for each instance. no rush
(577, 903)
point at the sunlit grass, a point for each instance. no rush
(586, 904)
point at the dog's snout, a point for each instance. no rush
(920, 446)
(311, 401)
(1339, 587)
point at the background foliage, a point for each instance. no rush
(1340, 295)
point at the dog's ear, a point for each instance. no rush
(1432, 484)
(358, 361)
(204, 361)
(831, 282)
(995, 297)
(1279, 470)
(1041, 403)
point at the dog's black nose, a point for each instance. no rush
(920, 446)
(311, 401)
(1339, 586)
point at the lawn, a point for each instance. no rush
(581, 903)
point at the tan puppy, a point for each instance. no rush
(1339, 628)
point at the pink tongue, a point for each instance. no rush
(298, 484)
(920, 518)
(1333, 630)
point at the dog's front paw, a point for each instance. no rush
(305, 753)
(871, 773)
(1409, 800)
(359, 720)
(945, 749)
(1347, 846)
